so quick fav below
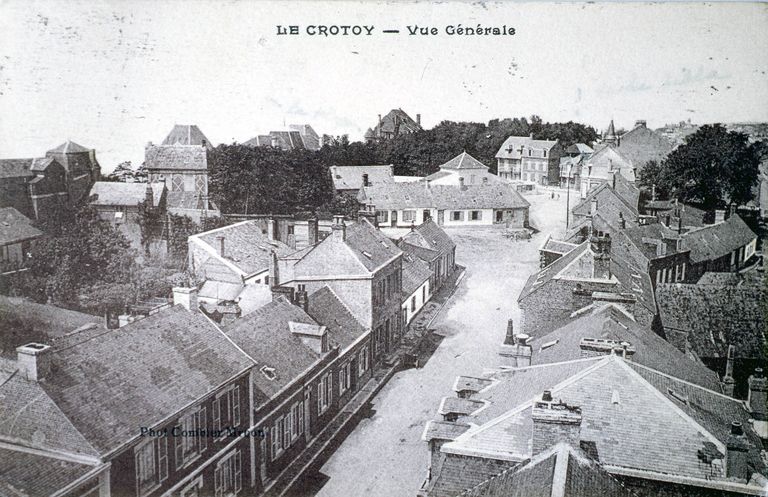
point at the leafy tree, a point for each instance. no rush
(713, 168)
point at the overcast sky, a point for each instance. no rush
(113, 75)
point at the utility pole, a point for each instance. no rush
(568, 197)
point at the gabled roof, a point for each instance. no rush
(717, 240)
(464, 161)
(176, 157)
(624, 198)
(15, 227)
(511, 147)
(562, 470)
(284, 140)
(187, 134)
(95, 375)
(422, 195)
(557, 246)
(608, 322)
(714, 316)
(351, 177)
(125, 194)
(28, 474)
(423, 253)
(369, 245)
(15, 168)
(539, 279)
(430, 236)
(326, 308)
(246, 247)
(610, 155)
(680, 421)
(265, 335)
(415, 273)
(579, 148)
(642, 144)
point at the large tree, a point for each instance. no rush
(713, 168)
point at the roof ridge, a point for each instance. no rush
(343, 304)
(686, 382)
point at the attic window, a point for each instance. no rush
(269, 373)
(384, 244)
(677, 395)
(367, 255)
(547, 345)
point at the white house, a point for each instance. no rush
(415, 283)
(463, 166)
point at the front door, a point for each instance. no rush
(499, 216)
(394, 218)
(440, 217)
(425, 214)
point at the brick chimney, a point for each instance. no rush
(719, 216)
(365, 179)
(516, 353)
(272, 229)
(302, 299)
(602, 258)
(220, 239)
(149, 196)
(33, 361)
(737, 462)
(640, 123)
(368, 212)
(622, 221)
(283, 291)
(274, 270)
(758, 395)
(553, 423)
(728, 381)
(312, 231)
(593, 206)
(338, 229)
(187, 297)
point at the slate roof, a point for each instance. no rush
(188, 200)
(176, 157)
(579, 148)
(510, 149)
(309, 137)
(187, 134)
(363, 238)
(615, 397)
(444, 197)
(285, 140)
(714, 316)
(691, 216)
(125, 194)
(579, 476)
(636, 281)
(15, 168)
(430, 236)
(641, 145)
(558, 246)
(387, 125)
(717, 240)
(245, 246)
(32, 475)
(539, 279)
(443, 430)
(327, 309)
(69, 147)
(265, 335)
(80, 407)
(454, 475)
(15, 227)
(607, 322)
(253, 297)
(351, 177)
(415, 273)
(464, 161)
(423, 253)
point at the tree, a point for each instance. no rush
(713, 168)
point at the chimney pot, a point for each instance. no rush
(737, 428)
(221, 238)
(365, 179)
(33, 361)
(338, 229)
(509, 339)
(553, 423)
(547, 396)
(522, 339)
(312, 231)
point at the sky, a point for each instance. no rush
(114, 75)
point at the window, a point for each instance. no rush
(457, 216)
(362, 361)
(226, 409)
(425, 215)
(382, 216)
(151, 464)
(345, 378)
(409, 216)
(228, 475)
(477, 215)
(530, 152)
(291, 230)
(177, 183)
(287, 427)
(200, 184)
(324, 393)
(297, 415)
(413, 304)
(186, 448)
(423, 294)
(545, 153)
(682, 273)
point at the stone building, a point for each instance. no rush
(521, 158)
(395, 123)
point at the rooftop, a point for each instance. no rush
(422, 195)
(464, 161)
(511, 148)
(15, 227)
(187, 134)
(176, 157)
(430, 236)
(125, 194)
(326, 308)
(351, 177)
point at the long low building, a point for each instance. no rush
(406, 204)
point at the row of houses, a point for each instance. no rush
(252, 382)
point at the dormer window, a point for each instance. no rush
(269, 373)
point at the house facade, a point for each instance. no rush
(17, 235)
(395, 123)
(486, 204)
(521, 158)
(349, 179)
(462, 169)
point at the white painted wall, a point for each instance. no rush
(410, 310)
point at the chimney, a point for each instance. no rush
(368, 212)
(187, 297)
(220, 239)
(757, 397)
(312, 231)
(283, 291)
(418, 119)
(719, 216)
(124, 320)
(653, 191)
(509, 339)
(272, 229)
(273, 142)
(728, 381)
(592, 347)
(338, 229)
(302, 299)
(679, 226)
(485, 180)
(622, 221)
(640, 123)
(737, 462)
(274, 270)
(593, 206)
(553, 423)
(33, 361)
(613, 179)
(149, 196)
(461, 182)
(204, 143)
(530, 136)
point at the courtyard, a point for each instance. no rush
(384, 456)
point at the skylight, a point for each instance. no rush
(269, 373)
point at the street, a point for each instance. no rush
(384, 456)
